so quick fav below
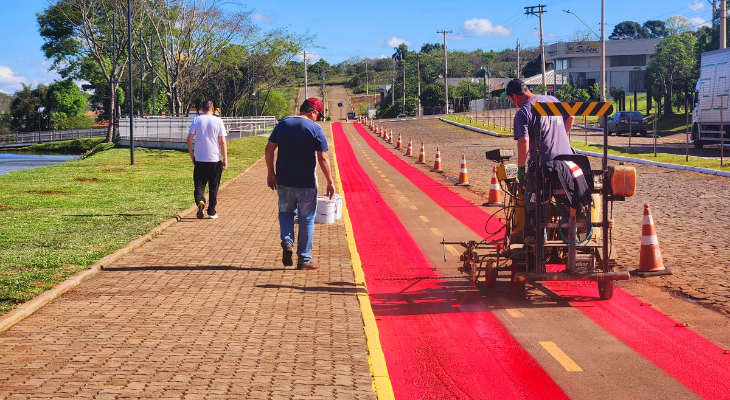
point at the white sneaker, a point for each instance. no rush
(214, 216)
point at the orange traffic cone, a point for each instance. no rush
(390, 137)
(650, 259)
(463, 175)
(437, 162)
(385, 135)
(422, 155)
(399, 144)
(409, 150)
(495, 197)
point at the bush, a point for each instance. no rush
(61, 121)
(98, 149)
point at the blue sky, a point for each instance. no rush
(373, 28)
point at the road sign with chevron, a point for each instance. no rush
(573, 108)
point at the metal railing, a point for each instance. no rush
(31, 138)
(175, 129)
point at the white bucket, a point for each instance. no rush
(325, 213)
(338, 205)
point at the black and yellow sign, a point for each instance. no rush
(573, 108)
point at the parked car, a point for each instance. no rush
(619, 123)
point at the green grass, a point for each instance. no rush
(490, 127)
(649, 155)
(60, 219)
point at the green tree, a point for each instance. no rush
(674, 65)
(66, 97)
(629, 29)
(24, 109)
(582, 95)
(656, 28)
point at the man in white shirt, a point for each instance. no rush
(210, 157)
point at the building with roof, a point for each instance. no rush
(579, 63)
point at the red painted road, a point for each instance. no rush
(692, 360)
(438, 343)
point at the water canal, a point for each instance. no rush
(14, 161)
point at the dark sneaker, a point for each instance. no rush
(286, 255)
(307, 266)
(201, 206)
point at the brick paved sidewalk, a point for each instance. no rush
(205, 310)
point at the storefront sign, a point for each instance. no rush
(581, 47)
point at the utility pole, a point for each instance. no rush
(518, 58)
(418, 69)
(114, 75)
(141, 74)
(306, 93)
(367, 88)
(131, 87)
(446, 71)
(723, 24)
(404, 86)
(603, 55)
(531, 11)
(152, 67)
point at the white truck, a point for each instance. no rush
(712, 99)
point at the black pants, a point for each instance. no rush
(207, 173)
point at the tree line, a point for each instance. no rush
(182, 52)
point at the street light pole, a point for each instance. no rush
(404, 86)
(418, 68)
(131, 86)
(446, 72)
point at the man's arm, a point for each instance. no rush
(269, 157)
(523, 144)
(224, 151)
(190, 146)
(569, 123)
(324, 163)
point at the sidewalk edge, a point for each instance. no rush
(376, 358)
(26, 309)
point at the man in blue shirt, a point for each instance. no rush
(301, 144)
(548, 134)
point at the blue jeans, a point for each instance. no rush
(301, 202)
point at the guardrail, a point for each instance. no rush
(31, 138)
(175, 129)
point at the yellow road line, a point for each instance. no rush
(436, 231)
(378, 369)
(452, 250)
(382, 175)
(510, 308)
(412, 207)
(397, 191)
(387, 180)
(424, 219)
(561, 357)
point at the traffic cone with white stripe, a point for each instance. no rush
(437, 162)
(409, 150)
(463, 175)
(495, 197)
(399, 144)
(390, 138)
(385, 135)
(422, 155)
(650, 258)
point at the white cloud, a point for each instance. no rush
(395, 41)
(698, 22)
(312, 57)
(697, 5)
(484, 27)
(10, 81)
(267, 19)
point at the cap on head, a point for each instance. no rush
(515, 86)
(316, 104)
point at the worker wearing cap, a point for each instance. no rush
(549, 134)
(301, 144)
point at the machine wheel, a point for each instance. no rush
(695, 133)
(605, 289)
(490, 276)
(517, 289)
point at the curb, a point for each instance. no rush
(725, 174)
(592, 128)
(29, 307)
(471, 128)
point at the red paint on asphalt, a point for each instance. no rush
(473, 217)
(439, 342)
(694, 361)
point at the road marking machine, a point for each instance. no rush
(557, 238)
